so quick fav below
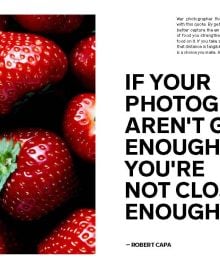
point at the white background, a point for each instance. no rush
(132, 36)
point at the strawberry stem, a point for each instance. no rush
(8, 154)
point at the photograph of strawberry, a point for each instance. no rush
(47, 134)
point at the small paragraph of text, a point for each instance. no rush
(198, 35)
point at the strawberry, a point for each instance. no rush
(27, 63)
(75, 235)
(82, 61)
(50, 23)
(3, 22)
(79, 125)
(36, 173)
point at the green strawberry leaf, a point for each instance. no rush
(8, 155)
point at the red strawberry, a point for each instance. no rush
(8, 241)
(82, 61)
(75, 235)
(36, 173)
(27, 63)
(79, 125)
(3, 22)
(50, 23)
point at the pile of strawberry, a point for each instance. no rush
(47, 134)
